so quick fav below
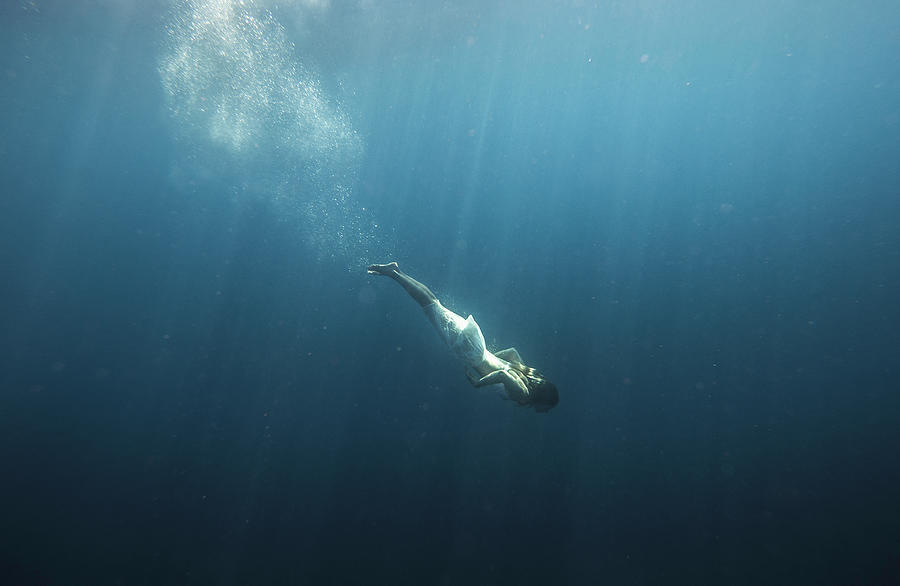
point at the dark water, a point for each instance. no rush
(686, 214)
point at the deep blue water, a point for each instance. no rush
(685, 214)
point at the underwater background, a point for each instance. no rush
(686, 214)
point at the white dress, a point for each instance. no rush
(463, 336)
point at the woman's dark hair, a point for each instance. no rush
(543, 394)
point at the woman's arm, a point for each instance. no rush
(515, 387)
(510, 355)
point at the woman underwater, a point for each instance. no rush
(522, 384)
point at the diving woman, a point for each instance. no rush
(521, 383)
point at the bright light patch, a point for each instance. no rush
(241, 101)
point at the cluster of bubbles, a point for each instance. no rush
(338, 236)
(242, 102)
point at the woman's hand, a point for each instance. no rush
(515, 386)
(512, 382)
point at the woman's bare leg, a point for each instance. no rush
(416, 290)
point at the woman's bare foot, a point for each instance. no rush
(385, 269)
